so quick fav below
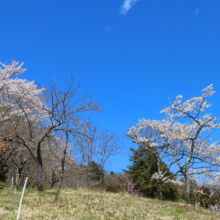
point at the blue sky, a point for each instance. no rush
(132, 55)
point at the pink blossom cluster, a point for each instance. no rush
(127, 186)
(15, 93)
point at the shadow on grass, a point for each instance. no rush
(51, 193)
(2, 185)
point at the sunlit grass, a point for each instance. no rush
(88, 204)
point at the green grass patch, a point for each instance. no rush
(180, 211)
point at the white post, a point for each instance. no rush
(12, 181)
(19, 209)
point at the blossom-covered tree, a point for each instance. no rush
(183, 134)
(42, 112)
(126, 185)
(207, 188)
(18, 98)
(152, 139)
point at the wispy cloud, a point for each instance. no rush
(196, 11)
(110, 28)
(127, 6)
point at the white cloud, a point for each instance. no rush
(127, 6)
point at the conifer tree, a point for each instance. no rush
(95, 171)
(144, 165)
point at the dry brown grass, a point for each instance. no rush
(86, 204)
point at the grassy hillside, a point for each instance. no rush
(86, 204)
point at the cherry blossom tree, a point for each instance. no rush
(126, 185)
(184, 133)
(42, 112)
(207, 188)
(153, 140)
(18, 97)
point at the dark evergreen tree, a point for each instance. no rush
(95, 171)
(144, 165)
(3, 172)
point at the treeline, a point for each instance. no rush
(46, 133)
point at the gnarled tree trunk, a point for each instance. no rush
(39, 170)
(187, 183)
(160, 190)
